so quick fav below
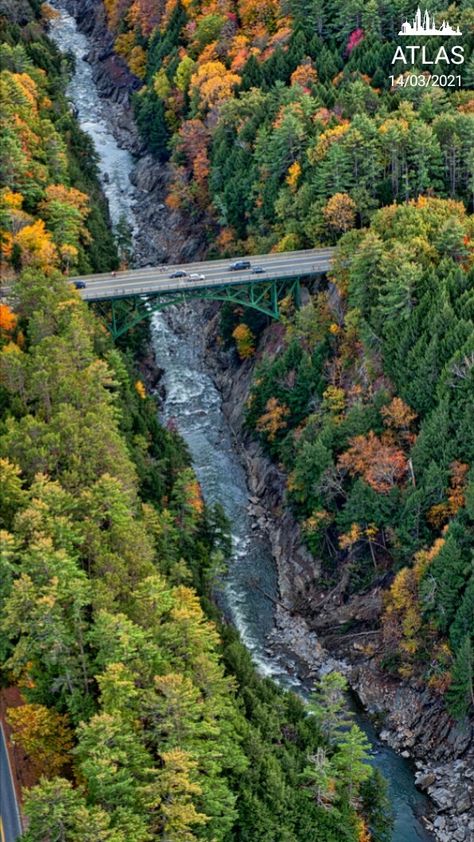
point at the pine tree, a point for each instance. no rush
(460, 694)
(57, 811)
(318, 779)
(252, 74)
(351, 760)
(328, 704)
(151, 121)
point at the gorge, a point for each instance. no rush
(194, 404)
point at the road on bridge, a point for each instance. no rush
(216, 272)
(9, 812)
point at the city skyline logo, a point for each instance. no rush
(425, 24)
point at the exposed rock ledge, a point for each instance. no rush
(114, 81)
(417, 725)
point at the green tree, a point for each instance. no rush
(55, 810)
(328, 705)
(461, 691)
(351, 760)
(114, 762)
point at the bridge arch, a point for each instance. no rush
(123, 313)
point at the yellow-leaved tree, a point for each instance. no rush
(45, 735)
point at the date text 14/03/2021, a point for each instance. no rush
(425, 80)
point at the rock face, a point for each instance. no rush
(17, 11)
(164, 235)
(113, 78)
(417, 725)
(297, 568)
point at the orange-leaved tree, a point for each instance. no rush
(380, 463)
(212, 83)
(273, 419)
(8, 319)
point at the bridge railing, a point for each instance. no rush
(187, 286)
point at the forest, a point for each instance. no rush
(142, 717)
(279, 119)
(282, 130)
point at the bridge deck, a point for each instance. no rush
(152, 280)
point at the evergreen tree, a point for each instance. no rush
(329, 706)
(150, 117)
(461, 691)
(351, 759)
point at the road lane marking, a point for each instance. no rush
(214, 276)
(151, 280)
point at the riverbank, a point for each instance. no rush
(280, 641)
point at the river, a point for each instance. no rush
(194, 403)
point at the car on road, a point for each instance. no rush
(180, 273)
(80, 284)
(237, 265)
(197, 276)
(257, 270)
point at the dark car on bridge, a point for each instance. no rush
(80, 284)
(239, 264)
(180, 273)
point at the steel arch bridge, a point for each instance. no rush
(128, 296)
(123, 312)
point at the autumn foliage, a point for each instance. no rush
(380, 463)
(340, 212)
(45, 736)
(44, 221)
(8, 319)
(212, 83)
(244, 340)
(441, 512)
(273, 419)
(305, 75)
(403, 627)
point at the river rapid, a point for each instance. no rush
(193, 402)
